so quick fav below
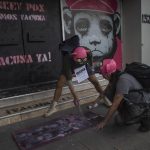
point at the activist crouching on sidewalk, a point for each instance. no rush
(127, 96)
(75, 60)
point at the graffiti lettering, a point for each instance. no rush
(4, 5)
(8, 16)
(19, 59)
(25, 59)
(33, 17)
(26, 8)
(12, 6)
(23, 17)
(43, 57)
(35, 7)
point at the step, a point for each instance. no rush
(47, 94)
(33, 105)
(39, 111)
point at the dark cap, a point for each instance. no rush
(106, 6)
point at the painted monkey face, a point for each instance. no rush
(95, 31)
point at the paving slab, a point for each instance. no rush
(110, 138)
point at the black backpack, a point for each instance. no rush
(141, 72)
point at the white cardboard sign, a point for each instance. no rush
(81, 74)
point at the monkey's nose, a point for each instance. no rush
(95, 42)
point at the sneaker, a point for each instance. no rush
(51, 110)
(92, 106)
(107, 102)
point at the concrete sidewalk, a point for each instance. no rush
(110, 138)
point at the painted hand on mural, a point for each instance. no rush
(97, 23)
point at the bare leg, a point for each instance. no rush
(72, 90)
(60, 83)
(95, 82)
(98, 87)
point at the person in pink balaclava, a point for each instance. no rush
(75, 57)
(132, 103)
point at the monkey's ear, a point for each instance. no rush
(67, 15)
(117, 23)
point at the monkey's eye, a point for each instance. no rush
(82, 26)
(105, 27)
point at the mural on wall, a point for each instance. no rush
(97, 23)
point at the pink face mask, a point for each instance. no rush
(79, 53)
(109, 66)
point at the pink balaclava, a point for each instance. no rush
(79, 52)
(108, 67)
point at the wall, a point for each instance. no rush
(131, 24)
(29, 39)
(145, 31)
